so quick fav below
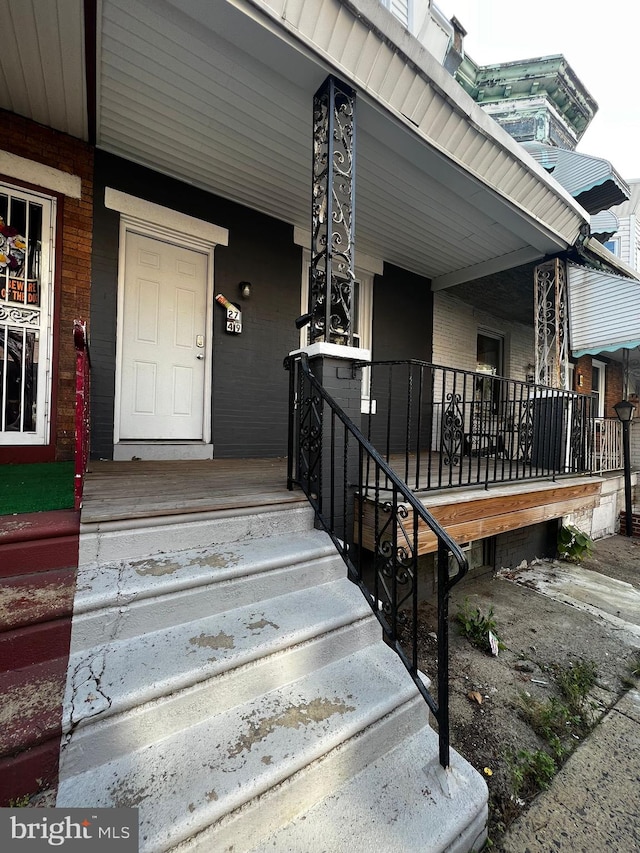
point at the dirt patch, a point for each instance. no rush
(542, 639)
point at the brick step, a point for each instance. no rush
(31, 714)
(35, 644)
(36, 542)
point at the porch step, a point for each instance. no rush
(105, 541)
(31, 715)
(192, 779)
(203, 668)
(38, 559)
(226, 690)
(126, 598)
(35, 616)
(404, 800)
(39, 541)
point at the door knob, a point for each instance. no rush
(200, 356)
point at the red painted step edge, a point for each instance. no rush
(38, 525)
(34, 548)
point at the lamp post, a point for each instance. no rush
(624, 411)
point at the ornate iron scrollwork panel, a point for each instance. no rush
(310, 439)
(395, 564)
(331, 273)
(452, 430)
(525, 430)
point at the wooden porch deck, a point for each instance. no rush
(142, 489)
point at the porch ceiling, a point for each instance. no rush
(219, 95)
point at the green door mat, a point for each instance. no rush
(37, 487)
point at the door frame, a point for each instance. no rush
(151, 220)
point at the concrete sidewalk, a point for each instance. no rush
(593, 804)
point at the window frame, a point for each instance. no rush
(45, 328)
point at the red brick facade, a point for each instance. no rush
(72, 273)
(613, 382)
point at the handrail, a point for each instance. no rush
(83, 378)
(442, 427)
(343, 484)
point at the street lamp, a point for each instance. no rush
(624, 411)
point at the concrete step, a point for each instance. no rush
(129, 598)
(403, 801)
(227, 690)
(104, 542)
(202, 668)
(190, 780)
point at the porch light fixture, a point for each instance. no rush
(624, 411)
(245, 289)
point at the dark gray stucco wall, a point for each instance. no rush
(250, 385)
(402, 329)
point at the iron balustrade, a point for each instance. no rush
(375, 522)
(83, 377)
(607, 445)
(440, 427)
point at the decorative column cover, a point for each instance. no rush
(331, 273)
(551, 330)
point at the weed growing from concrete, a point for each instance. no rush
(475, 626)
(562, 721)
(575, 682)
(573, 544)
(20, 802)
(531, 771)
(631, 680)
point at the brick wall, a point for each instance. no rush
(526, 543)
(635, 524)
(613, 382)
(73, 268)
(455, 328)
(613, 389)
(582, 375)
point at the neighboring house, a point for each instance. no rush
(210, 127)
(545, 107)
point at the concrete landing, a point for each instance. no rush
(593, 805)
(615, 601)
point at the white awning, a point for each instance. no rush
(604, 311)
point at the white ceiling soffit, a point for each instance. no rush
(42, 70)
(604, 311)
(219, 94)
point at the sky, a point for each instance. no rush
(601, 42)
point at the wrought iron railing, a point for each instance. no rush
(440, 427)
(377, 524)
(607, 445)
(83, 377)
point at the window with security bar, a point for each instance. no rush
(25, 303)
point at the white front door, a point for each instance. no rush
(164, 341)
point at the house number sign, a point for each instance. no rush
(234, 315)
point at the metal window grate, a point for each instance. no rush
(23, 312)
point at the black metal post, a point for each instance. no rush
(626, 450)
